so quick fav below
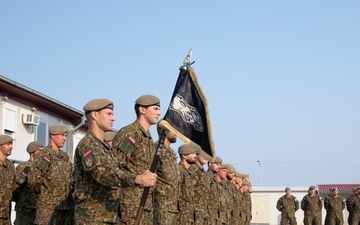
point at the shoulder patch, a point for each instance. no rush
(88, 158)
(128, 144)
(44, 163)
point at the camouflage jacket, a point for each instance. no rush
(51, 175)
(214, 196)
(287, 205)
(311, 205)
(334, 205)
(23, 196)
(97, 179)
(247, 203)
(7, 184)
(202, 191)
(353, 204)
(134, 148)
(167, 189)
(187, 192)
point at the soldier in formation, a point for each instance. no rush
(311, 204)
(334, 205)
(287, 205)
(353, 207)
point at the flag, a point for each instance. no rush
(188, 114)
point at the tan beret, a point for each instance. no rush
(58, 129)
(312, 187)
(237, 174)
(98, 104)
(147, 100)
(224, 166)
(186, 149)
(245, 183)
(109, 135)
(217, 159)
(5, 139)
(231, 168)
(33, 146)
(245, 175)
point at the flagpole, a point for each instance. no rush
(152, 169)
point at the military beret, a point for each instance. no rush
(186, 149)
(245, 175)
(312, 187)
(147, 100)
(58, 129)
(5, 139)
(217, 159)
(33, 146)
(237, 174)
(109, 135)
(98, 104)
(231, 168)
(224, 166)
(245, 183)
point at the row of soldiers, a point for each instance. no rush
(110, 172)
(312, 204)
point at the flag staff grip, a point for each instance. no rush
(154, 164)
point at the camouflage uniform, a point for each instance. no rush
(166, 192)
(97, 179)
(201, 197)
(214, 199)
(353, 206)
(334, 210)
(287, 206)
(135, 151)
(224, 200)
(23, 196)
(236, 212)
(7, 184)
(311, 205)
(228, 193)
(51, 175)
(187, 192)
(247, 211)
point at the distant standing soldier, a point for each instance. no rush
(224, 195)
(245, 185)
(334, 205)
(135, 150)
(311, 204)
(51, 175)
(97, 173)
(287, 205)
(215, 190)
(202, 189)
(187, 182)
(23, 196)
(247, 199)
(353, 206)
(7, 175)
(167, 189)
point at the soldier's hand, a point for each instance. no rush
(146, 179)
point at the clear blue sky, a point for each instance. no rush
(281, 78)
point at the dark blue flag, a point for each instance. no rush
(188, 116)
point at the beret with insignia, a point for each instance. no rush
(5, 139)
(58, 129)
(98, 104)
(148, 100)
(33, 146)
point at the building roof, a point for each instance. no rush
(341, 187)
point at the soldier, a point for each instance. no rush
(109, 136)
(50, 178)
(215, 189)
(202, 189)
(247, 200)
(188, 180)
(244, 206)
(135, 151)
(97, 175)
(287, 205)
(23, 196)
(312, 205)
(224, 195)
(334, 205)
(231, 190)
(353, 206)
(7, 173)
(167, 189)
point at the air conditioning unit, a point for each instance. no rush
(30, 119)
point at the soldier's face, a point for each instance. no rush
(222, 173)
(191, 158)
(201, 159)
(151, 113)
(6, 149)
(105, 119)
(215, 167)
(59, 139)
